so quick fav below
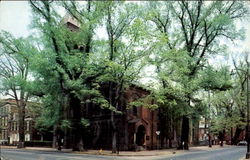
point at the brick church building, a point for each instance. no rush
(137, 126)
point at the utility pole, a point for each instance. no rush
(247, 101)
(209, 120)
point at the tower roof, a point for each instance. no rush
(71, 21)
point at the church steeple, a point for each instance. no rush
(71, 22)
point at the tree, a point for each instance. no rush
(226, 115)
(75, 79)
(170, 66)
(126, 50)
(15, 71)
(218, 82)
(228, 102)
(72, 79)
(195, 28)
(239, 96)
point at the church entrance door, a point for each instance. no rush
(140, 135)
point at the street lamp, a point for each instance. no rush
(247, 101)
(0, 151)
(209, 121)
(158, 138)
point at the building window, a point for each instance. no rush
(6, 121)
(134, 110)
(27, 137)
(28, 125)
(14, 116)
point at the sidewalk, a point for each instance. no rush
(152, 152)
(125, 153)
(38, 149)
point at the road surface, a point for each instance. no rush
(230, 153)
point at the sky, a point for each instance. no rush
(15, 17)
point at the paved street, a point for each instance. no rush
(231, 153)
(15, 154)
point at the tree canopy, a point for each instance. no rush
(67, 63)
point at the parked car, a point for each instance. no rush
(242, 143)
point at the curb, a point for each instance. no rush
(122, 154)
(129, 155)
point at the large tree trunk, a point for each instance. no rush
(184, 133)
(21, 110)
(114, 139)
(209, 140)
(67, 141)
(54, 136)
(77, 127)
(114, 132)
(170, 143)
(221, 137)
(112, 118)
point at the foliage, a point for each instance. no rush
(229, 105)
(188, 33)
(72, 65)
(15, 74)
(85, 122)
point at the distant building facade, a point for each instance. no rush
(10, 125)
